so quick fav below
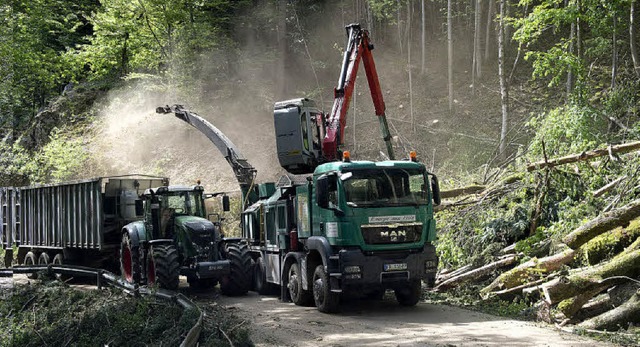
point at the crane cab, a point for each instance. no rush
(299, 130)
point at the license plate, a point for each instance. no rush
(395, 267)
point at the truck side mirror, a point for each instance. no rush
(322, 190)
(226, 204)
(435, 189)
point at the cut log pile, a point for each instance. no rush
(591, 280)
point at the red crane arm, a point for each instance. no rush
(358, 48)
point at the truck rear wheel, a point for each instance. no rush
(409, 295)
(238, 281)
(129, 260)
(163, 267)
(326, 300)
(298, 295)
(262, 287)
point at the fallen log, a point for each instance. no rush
(452, 193)
(608, 187)
(610, 243)
(616, 218)
(476, 273)
(618, 149)
(597, 306)
(526, 271)
(626, 263)
(619, 317)
(509, 294)
(569, 307)
(445, 276)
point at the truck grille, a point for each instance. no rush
(397, 233)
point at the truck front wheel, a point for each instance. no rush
(326, 300)
(238, 281)
(409, 295)
(163, 267)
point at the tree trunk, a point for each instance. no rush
(620, 317)
(612, 242)
(614, 52)
(524, 272)
(571, 40)
(413, 123)
(472, 189)
(450, 55)
(504, 88)
(618, 217)
(487, 35)
(626, 263)
(617, 149)
(476, 60)
(570, 307)
(632, 38)
(476, 273)
(423, 39)
(399, 27)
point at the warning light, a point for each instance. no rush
(346, 156)
(413, 156)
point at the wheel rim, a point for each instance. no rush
(151, 271)
(293, 283)
(127, 267)
(318, 291)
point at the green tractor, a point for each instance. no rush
(176, 238)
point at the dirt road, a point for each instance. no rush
(384, 323)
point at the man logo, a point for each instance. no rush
(394, 235)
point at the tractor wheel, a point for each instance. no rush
(326, 300)
(129, 260)
(30, 260)
(262, 287)
(163, 267)
(409, 295)
(298, 295)
(238, 281)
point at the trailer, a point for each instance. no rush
(77, 222)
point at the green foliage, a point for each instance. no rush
(565, 130)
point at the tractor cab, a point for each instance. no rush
(170, 207)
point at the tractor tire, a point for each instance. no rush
(30, 260)
(238, 281)
(163, 267)
(409, 295)
(129, 260)
(326, 300)
(298, 295)
(261, 285)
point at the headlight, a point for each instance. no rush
(352, 269)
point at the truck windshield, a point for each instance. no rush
(185, 203)
(388, 187)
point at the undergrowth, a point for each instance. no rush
(54, 314)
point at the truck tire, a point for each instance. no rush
(298, 295)
(326, 300)
(129, 260)
(262, 287)
(238, 281)
(409, 295)
(30, 260)
(163, 267)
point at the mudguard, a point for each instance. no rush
(137, 232)
(320, 244)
